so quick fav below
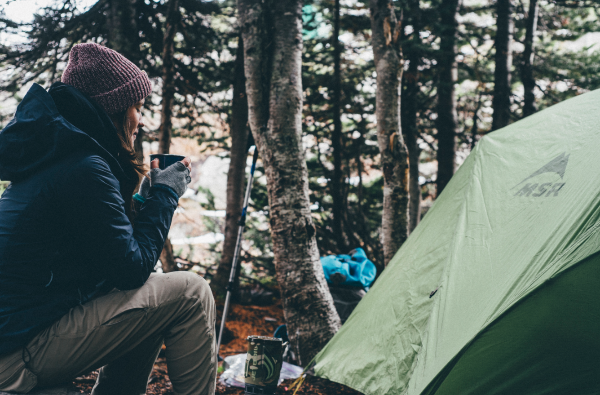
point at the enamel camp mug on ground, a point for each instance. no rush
(263, 364)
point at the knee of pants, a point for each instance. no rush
(194, 287)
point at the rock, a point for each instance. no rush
(49, 391)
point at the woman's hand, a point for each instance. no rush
(175, 176)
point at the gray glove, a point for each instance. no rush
(176, 176)
(144, 188)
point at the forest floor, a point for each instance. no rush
(242, 321)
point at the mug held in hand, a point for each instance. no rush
(175, 176)
(166, 160)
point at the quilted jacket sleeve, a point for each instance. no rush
(90, 194)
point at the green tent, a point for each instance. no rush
(497, 291)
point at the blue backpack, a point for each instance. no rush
(353, 270)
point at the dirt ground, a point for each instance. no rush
(242, 321)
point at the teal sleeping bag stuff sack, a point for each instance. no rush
(353, 270)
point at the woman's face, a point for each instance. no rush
(133, 119)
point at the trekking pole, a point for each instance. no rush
(238, 247)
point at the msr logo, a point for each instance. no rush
(545, 187)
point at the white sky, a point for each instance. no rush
(23, 10)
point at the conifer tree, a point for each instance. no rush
(503, 59)
(446, 121)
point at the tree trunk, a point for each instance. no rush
(409, 109)
(388, 64)
(272, 32)
(168, 93)
(123, 29)
(122, 37)
(475, 127)
(235, 176)
(527, 78)
(446, 106)
(337, 181)
(503, 58)
(168, 80)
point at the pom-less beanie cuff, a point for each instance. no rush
(107, 76)
(125, 96)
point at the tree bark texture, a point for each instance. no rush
(409, 109)
(394, 160)
(337, 181)
(446, 122)
(238, 130)
(529, 106)
(123, 31)
(122, 37)
(272, 32)
(168, 77)
(168, 93)
(503, 59)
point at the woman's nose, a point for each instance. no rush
(141, 124)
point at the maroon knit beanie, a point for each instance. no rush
(107, 76)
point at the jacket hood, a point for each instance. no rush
(50, 125)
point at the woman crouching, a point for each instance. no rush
(77, 291)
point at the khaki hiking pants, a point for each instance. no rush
(122, 332)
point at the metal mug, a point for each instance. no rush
(166, 160)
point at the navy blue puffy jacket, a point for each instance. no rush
(64, 234)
